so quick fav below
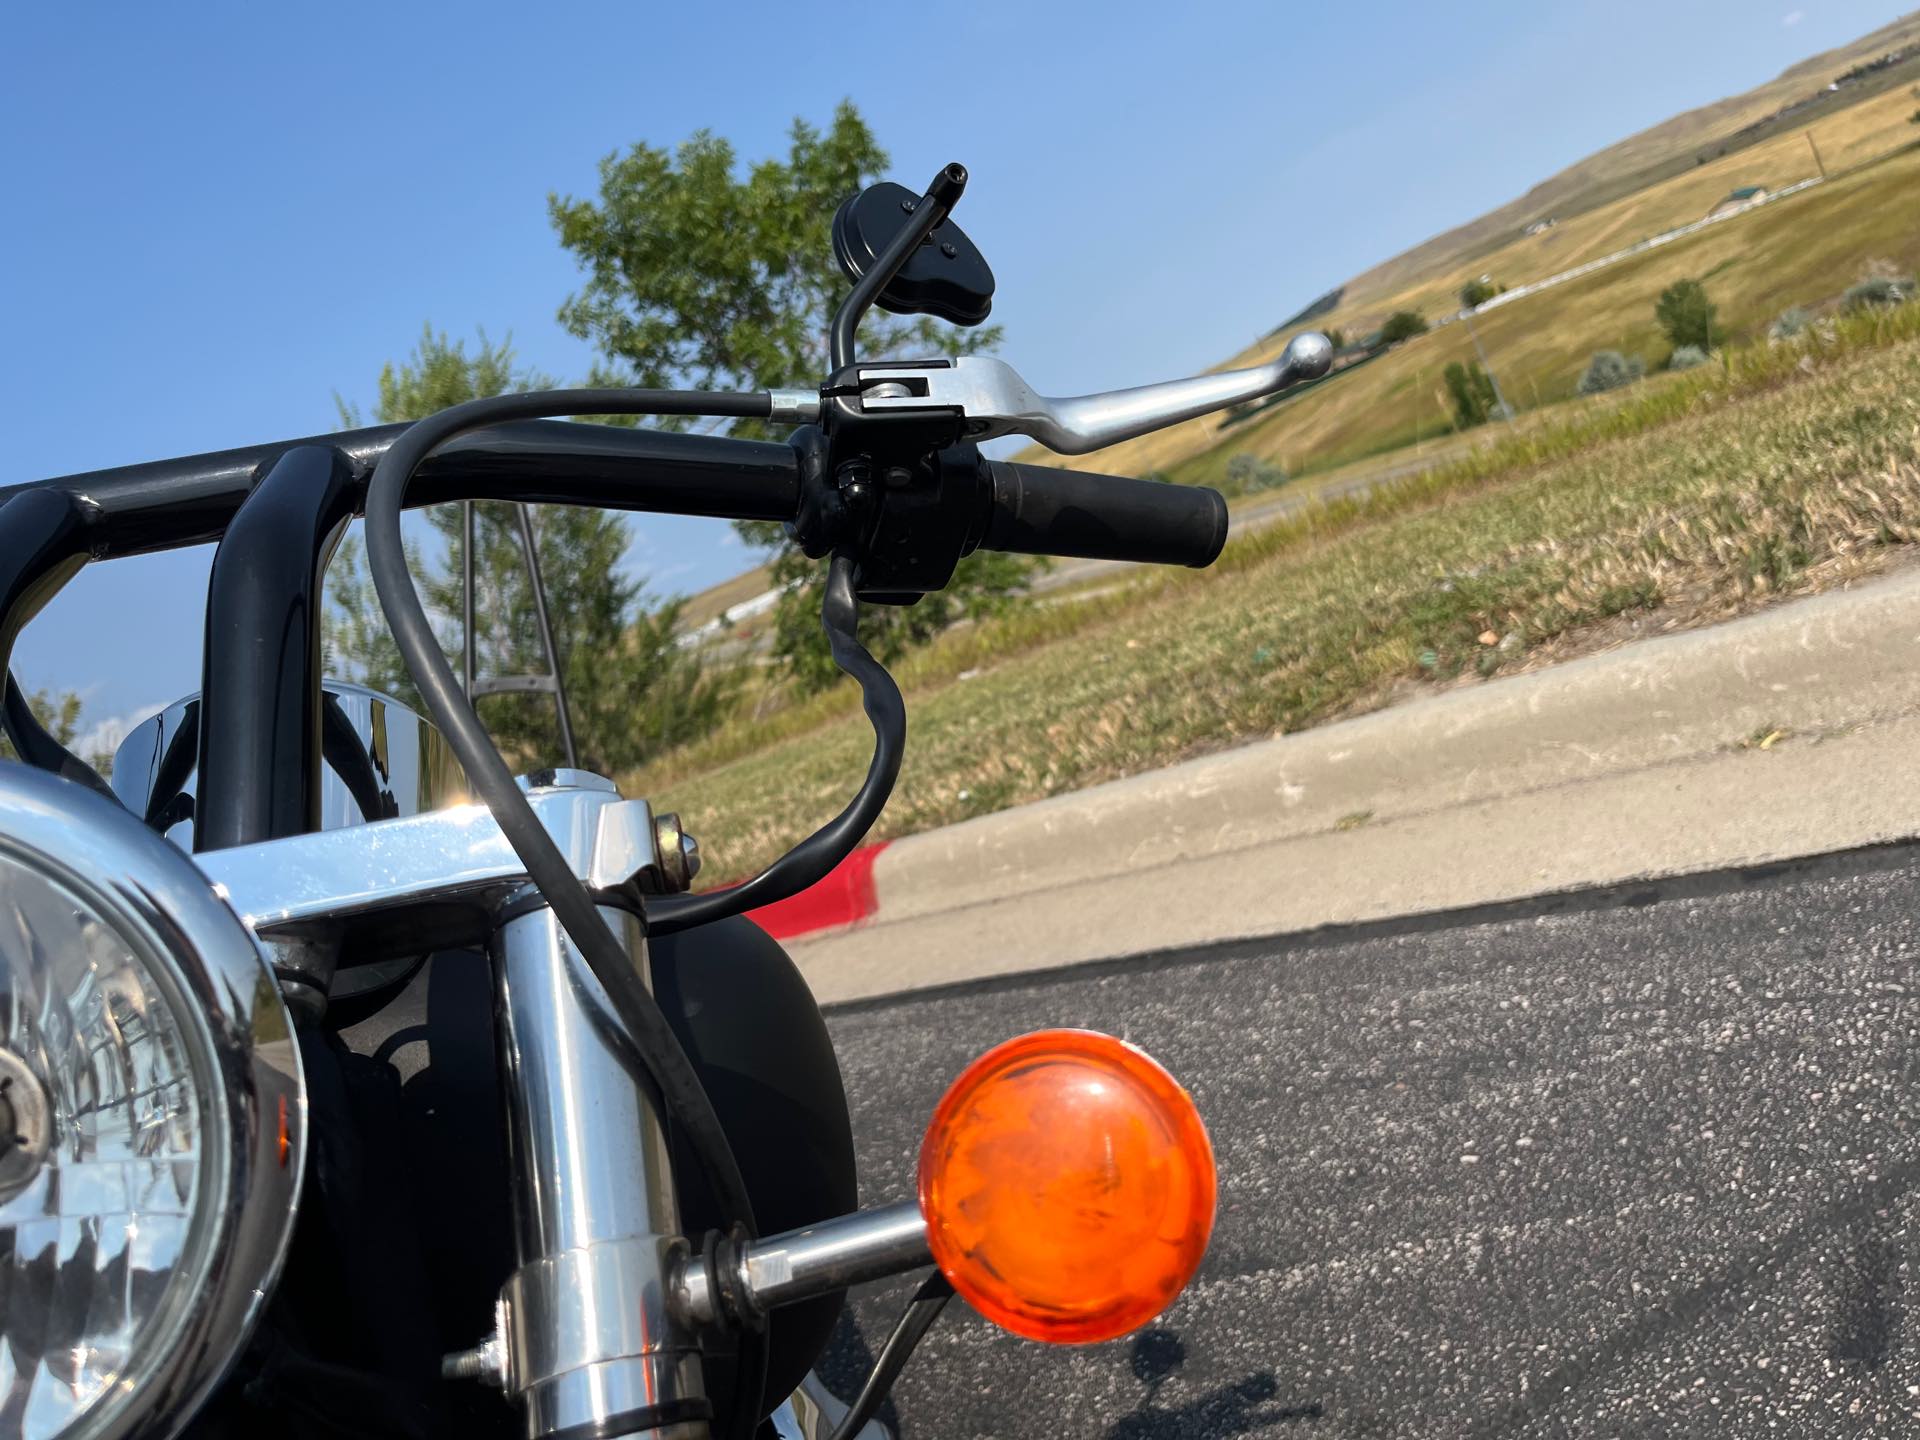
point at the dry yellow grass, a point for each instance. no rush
(716, 600)
(1800, 240)
(1629, 166)
(1801, 250)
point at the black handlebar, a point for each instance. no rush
(1030, 509)
(167, 504)
(1037, 510)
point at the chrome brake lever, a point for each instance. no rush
(996, 401)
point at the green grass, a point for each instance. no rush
(1778, 469)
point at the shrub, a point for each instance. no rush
(1881, 292)
(1609, 370)
(1686, 314)
(1247, 474)
(1478, 292)
(1792, 321)
(1402, 325)
(1686, 357)
(1474, 400)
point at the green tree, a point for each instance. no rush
(1402, 325)
(1478, 292)
(632, 691)
(699, 273)
(1474, 400)
(59, 716)
(1686, 314)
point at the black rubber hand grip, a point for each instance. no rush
(1037, 510)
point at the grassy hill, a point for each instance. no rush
(1799, 250)
(1696, 496)
(1667, 175)
(1687, 497)
(1665, 150)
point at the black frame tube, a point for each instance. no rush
(168, 504)
(46, 542)
(53, 527)
(260, 676)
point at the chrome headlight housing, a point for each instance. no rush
(152, 1121)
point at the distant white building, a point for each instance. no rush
(1739, 200)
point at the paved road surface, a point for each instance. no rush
(1637, 1164)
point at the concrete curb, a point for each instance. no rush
(1613, 766)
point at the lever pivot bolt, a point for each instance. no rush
(679, 853)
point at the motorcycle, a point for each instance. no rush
(352, 1085)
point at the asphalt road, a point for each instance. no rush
(1635, 1163)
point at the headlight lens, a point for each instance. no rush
(148, 1074)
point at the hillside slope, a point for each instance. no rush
(1625, 166)
(1663, 177)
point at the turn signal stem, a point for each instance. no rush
(733, 1283)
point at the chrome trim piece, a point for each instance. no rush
(996, 401)
(815, 1260)
(588, 1331)
(451, 855)
(794, 407)
(398, 764)
(216, 981)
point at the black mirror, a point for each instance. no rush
(946, 276)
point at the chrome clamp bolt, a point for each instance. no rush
(679, 853)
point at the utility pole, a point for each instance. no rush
(1506, 410)
(1818, 163)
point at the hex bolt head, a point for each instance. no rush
(679, 853)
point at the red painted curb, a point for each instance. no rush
(843, 895)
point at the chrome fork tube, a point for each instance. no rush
(591, 1347)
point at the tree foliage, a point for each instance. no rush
(1474, 400)
(1686, 314)
(1478, 292)
(1402, 325)
(59, 716)
(631, 690)
(698, 273)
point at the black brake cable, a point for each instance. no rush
(679, 1084)
(922, 1310)
(813, 857)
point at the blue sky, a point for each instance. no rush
(218, 215)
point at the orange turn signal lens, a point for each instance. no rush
(1068, 1186)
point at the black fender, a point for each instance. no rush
(757, 1038)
